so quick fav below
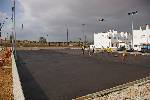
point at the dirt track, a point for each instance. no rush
(66, 74)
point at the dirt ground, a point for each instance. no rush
(6, 80)
(63, 74)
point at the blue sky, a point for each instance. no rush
(5, 5)
(52, 17)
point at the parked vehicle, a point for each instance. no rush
(121, 48)
(145, 49)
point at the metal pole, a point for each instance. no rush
(132, 28)
(67, 37)
(132, 13)
(12, 34)
(85, 39)
(14, 31)
(0, 33)
(147, 40)
(15, 26)
(83, 34)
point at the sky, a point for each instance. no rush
(53, 17)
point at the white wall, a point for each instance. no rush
(111, 39)
(137, 34)
(141, 37)
(101, 40)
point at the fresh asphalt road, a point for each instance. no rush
(65, 74)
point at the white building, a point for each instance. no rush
(102, 40)
(141, 37)
(112, 39)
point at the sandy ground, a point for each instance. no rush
(63, 74)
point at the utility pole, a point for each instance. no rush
(13, 29)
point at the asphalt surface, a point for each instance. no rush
(66, 74)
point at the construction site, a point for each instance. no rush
(65, 74)
(74, 50)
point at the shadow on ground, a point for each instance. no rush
(31, 89)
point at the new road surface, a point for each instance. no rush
(64, 74)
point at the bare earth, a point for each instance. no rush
(6, 80)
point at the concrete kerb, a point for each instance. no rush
(17, 88)
(114, 89)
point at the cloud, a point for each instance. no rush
(3, 16)
(54, 16)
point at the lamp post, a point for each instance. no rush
(100, 20)
(132, 24)
(47, 39)
(84, 37)
(67, 36)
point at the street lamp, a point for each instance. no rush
(132, 13)
(84, 37)
(47, 38)
(67, 36)
(100, 20)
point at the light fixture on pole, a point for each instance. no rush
(100, 20)
(83, 33)
(132, 26)
(67, 36)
